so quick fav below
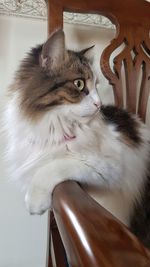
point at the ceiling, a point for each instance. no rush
(36, 9)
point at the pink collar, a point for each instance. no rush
(68, 137)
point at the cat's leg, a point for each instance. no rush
(38, 196)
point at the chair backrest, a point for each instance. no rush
(132, 20)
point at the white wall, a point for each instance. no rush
(23, 238)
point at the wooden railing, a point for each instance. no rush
(92, 237)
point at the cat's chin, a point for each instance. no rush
(91, 115)
(84, 117)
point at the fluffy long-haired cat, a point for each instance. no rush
(58, 130)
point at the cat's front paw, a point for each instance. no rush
(37, 200)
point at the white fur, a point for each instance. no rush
(96, 157)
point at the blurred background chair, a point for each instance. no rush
(79, 227)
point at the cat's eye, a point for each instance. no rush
(80, 84)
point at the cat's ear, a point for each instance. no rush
(53, 51)
(86, 50)
(88, 53)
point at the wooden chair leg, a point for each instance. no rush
(55, 240)
(49, 262)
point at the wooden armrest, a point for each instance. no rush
(92, 237)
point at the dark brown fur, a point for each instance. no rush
(140, 220)
(124, 123)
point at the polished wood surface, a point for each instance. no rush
(92, 236)
(58, 248)
(132, 20)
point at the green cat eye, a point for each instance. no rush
(79, 83)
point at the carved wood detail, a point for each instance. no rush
(135, 58)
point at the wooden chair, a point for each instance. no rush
(91, 236)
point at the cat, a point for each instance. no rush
(58, 129)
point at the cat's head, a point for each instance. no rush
(54, 79)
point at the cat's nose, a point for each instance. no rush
(95, 98)
(97, 104)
